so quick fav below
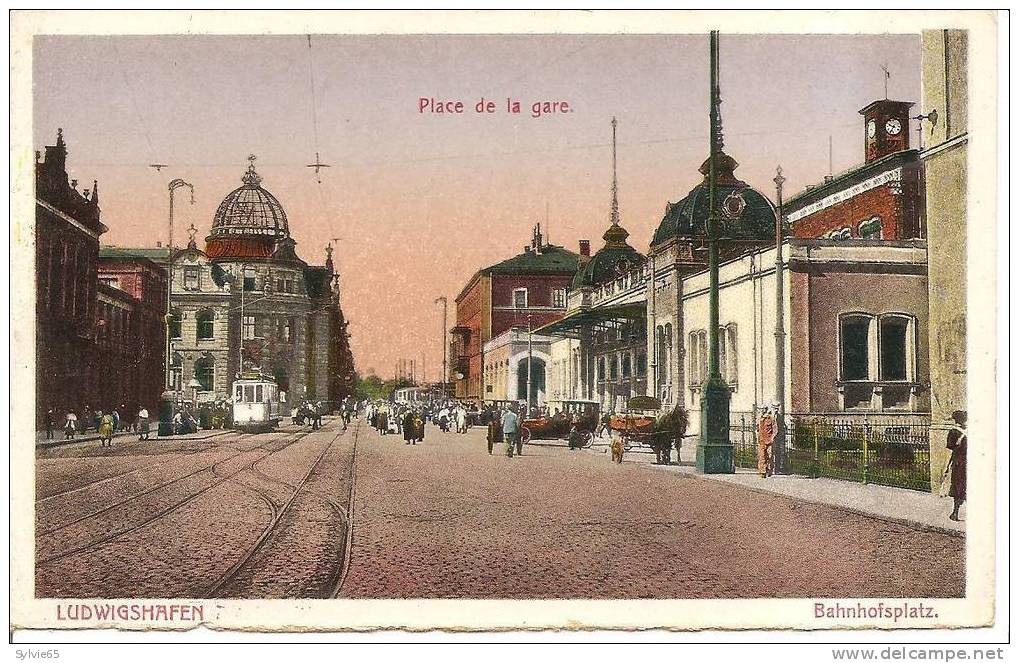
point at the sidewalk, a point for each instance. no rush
(59, 441)
(913, 508)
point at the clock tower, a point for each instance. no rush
(885, 127)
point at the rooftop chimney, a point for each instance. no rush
(585, 248)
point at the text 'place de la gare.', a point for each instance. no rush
(767, 400)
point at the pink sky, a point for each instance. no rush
(419, 202)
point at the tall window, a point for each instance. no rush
(626, 365)
(205, 373)
(284, 331)
(855, 348)
(730, 368)
(248, 327)
(892, 337)
(175, 371)
(249, 279)
(191, 277)
(613, 368)
(601, 368)
(559, 297)
(520, 298)
(205, 327)
(174, 324)
(641, 364)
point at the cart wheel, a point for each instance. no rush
(588, 439)
(525, 434)
(627, 443)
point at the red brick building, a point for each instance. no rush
(143, 283)
(532, 284)
(99, 326)
(67, 230)
(881, 199)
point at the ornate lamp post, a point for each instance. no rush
(714, 451)
(780, 436)
(173, 186)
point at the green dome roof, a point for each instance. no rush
(745, 212)
(611, 260)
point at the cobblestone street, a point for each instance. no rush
(267, 516)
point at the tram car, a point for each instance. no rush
(256, 404)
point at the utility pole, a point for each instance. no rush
(714, 451)
(780, 436)
(445, 373)
(173, 186)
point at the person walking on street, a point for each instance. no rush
(106, 428)
(70, 424)
(510, 430)
(116, 420)
(143, 424)
(766, 430)
(178, 421)
(957, 463)
(409, 434)
(49, 424)
(494, 431)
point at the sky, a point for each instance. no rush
(416, 202)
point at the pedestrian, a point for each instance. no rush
(178, 421)
(510, 430)
(116, 420)
(494, 431)
(419, 428)
(957, 463)
(49, 424)
(70, 424)
(106, 427)
(409, 432)
(603, 425)
(143, 424)
(766, 430)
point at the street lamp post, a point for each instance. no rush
(173, 186)
(530, 361)
(714, 451)
(780, 438)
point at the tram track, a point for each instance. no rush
(92, 484)
(176, 503)
(344, 569)
(223, 584)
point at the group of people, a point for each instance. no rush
(105, 423)
(308, 413)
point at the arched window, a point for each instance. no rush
(205, 373)
(854, 347)
(173, 324)
(626, 365)
(601, 368)
(205, 326)
(870, 229)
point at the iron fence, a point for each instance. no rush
(888, 450)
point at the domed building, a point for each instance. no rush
(748, 217)
(248, 303)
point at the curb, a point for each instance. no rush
(82, 440)
(914, 524)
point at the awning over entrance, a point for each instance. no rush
(601, 317)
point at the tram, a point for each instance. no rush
(256, 403)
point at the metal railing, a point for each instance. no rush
(888, 450)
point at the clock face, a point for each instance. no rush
(871, 129)
(893, 127)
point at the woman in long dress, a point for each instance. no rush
(106, 426)
(957, 443)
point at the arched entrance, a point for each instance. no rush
(537, 380)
